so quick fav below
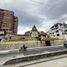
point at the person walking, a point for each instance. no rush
(24, 47)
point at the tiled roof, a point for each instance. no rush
(43, 33)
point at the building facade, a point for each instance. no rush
(43, 35)
(8, 22)
(33, 34)
(59, 30)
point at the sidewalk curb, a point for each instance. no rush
(35, 57)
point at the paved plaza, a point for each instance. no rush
(62, 62)
(11, 54)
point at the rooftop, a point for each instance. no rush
(34, 28)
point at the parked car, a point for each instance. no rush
(65, 43)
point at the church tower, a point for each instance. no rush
(34, 32)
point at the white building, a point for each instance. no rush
(58, 30)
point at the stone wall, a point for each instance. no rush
(29, 45)
(17, 46)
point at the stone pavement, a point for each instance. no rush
(11, 54)
(62, 62)
(6, 55)
(8, 51)
(57, 61)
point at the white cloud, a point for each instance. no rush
(22, 30)
(42, 13)
(7, 1)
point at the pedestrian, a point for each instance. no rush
(48, 43)
(24, 47)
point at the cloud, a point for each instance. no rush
(42, 13)
(54, 9)
(22, 30)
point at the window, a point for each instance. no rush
(56, 31)
(53, 33)
(56, 26)
(65, 31)
(58, 34)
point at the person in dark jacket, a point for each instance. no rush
(48, 43)
(24, 47)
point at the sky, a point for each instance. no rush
(41, 13)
